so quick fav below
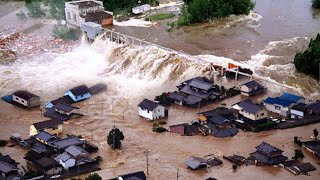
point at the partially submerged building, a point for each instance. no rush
(251, 112)
(52, 126)
(283, 103)
(26, 99)
(79, 93)
(313, 147)
(8, 168)
(251, 88)
(151, 110)
(62, 112)
(267, 154)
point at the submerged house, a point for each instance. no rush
(139, 175)
(26, 99)
(151, 110)
(251, 88)
(63, 100)
(79, 93)
(250, 112)
(195, 92)
(313, 147)
(267, 154)
(195, 163)
(47, 165)
(185, 129)
(52, 126)
(298, 111)
(283, 103)
(8, 168)
(62, 112)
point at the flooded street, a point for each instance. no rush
(266, 40)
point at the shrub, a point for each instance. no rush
(316, 4)
(21, 15)
(265, 126)
(163, 99)
(161, 16)
(65, 33)
(298, 154)
(3, 143)
(93, 176)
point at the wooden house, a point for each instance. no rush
(79, 93)
(52, 126)
(250, 112)
(151, 110)
(26, 99)
(267, 154)
(251, 88)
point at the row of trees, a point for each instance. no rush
(40, 8)
(204, 10)
(308, 62)
(316, 4)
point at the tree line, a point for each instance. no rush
(308, 61)
(204, 10)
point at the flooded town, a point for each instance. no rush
(159, 89)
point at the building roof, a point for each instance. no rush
(98, 87)
(47, 124)
(64, 107)
(149, 105)
(177, 96)
(300, 107)
(228, 132)
(75, 150)
(24, 95)
(217, 119)
(222, 111)
(134, 176)
(192, 99)
(188, 90)
(39, 147)
(252, 84)
(262, 158)
(6, 167)
(64, 143)
(268, 149)
(97, 16)
(200, 85)
(313, 146)
(44, 136)
(196, 163)
(250, 107)
(85, 4)
(315, 107)
(8, 159)
(305, 167)
(46, 163)
(55, 115)
(279, 101)
(64, 99)
(80, 90)
(290, 97)
(63, 157)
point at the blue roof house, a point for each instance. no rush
(283, 103)
(79, 93)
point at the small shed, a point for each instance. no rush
(26, 99)
(91, 30)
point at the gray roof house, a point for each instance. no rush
(250, 112)
(251, 88)
(195, 163)
(151, 110)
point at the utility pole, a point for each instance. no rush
(146, 153)
(178, 174)
(114, 137)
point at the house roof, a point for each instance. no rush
(80, 90)
(267, 160)
(134, 176)
(267, 148)
(192, 99)
(46, 137)
(228, 132)
(63, 157)
(97, 16)
(305, 167)
(75, 150)
(315, 107)
(300, 107)
(177, 96)
(6, 167)
(313, 146)
(64, 143)
(217, 119)
(250, 107)
(188, 90)
(98, 87)
(200, 85)
(46, 163)
(55, 115)
(290, 97)
(8, 159)
(64, 99)
(39, 147)
(47, 124)
(252, 84)
(24, 95)
(149, 105)
(279, 101)
(222, 111)
(195, 162)
(64, 107)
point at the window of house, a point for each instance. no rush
(147, 111)
(277, 107)
(22, 101)
(75, 17)
(262, 114)
(257, 115)
(17, 98)
(69, 16)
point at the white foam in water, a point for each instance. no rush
(134, 23)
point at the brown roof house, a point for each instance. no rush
(26, 99)
(52, 126)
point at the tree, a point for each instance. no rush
(35, 9)
(114, 138)
(315, 133)
(298, 154)
(93, 176)
(297, 141)
(308, 62)
(316, 4)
